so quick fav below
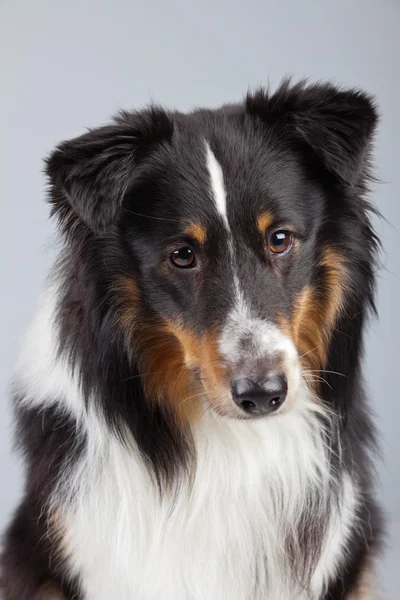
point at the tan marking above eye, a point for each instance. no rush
(197, 232)
(264, 222)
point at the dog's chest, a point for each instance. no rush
(225, 536)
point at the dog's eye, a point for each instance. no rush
(280, 242)
(183, 257)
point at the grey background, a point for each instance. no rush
(69, 65)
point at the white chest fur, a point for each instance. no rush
(220, 539)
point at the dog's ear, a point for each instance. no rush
(89, 175)
(337, 124)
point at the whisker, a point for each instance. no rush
(180, 371)
(207, 410)
(152, 217)
(312, 350)
(316, 378)
(151, 373)
(324, 371)
(191, 397)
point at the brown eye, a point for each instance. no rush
(280, 241)
(183, 257)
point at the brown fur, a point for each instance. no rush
(127, 295)
(166, 377)
(169, 356)
(50, 591)
(170, 353)
(197, 232)
(57, 531)
(264, 221)
(316, 311)
(365, 588)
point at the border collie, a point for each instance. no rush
(189, 400)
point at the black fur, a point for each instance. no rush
(118, 193)
(51, 446)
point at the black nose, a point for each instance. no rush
(260, 399)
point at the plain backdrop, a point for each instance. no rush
(69, 65)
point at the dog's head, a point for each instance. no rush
(230, 244)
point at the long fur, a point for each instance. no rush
(143, 481)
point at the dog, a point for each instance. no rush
(189, 400)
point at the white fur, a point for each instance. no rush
(266, 338)
(217, 185)
(43, 377)
(341, 520)
(267, 341)
(208, 540)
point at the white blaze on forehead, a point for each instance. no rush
(217, 184)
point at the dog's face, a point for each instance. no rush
(232, 235)
(225, 240)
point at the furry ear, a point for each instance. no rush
(89, 175)
(337, 124)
